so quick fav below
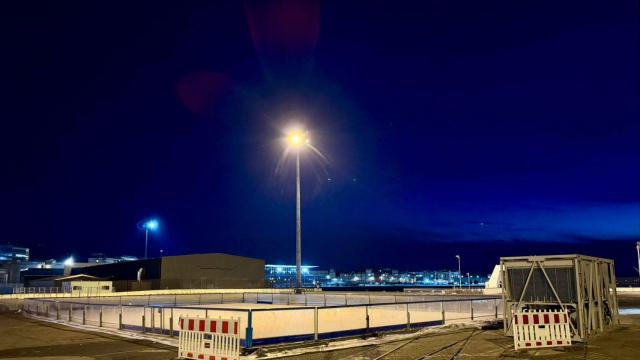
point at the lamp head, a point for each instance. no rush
(297, 139)
(151, 225)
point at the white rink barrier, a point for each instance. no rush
(270, 322)
(540, 329)
(209, 339)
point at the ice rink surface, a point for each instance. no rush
(274, 318)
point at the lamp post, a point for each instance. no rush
(459, 273)
(638, 252)
(297, 140)
(148, 225)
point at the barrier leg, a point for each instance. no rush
(408, 318)
(162, 320)
(471, 305)
(249, 339)
(315, 323)
(100, 321)
(442, 307)
(366, 309)
(57, 311)
(171, 324)
(120, 319)
(84, 315)
(70, 310)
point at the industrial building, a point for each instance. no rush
(284, 276)
(13, 253)
(202, 271)
(101, 258)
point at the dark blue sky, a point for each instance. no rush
(484, 128)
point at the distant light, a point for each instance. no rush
(279, 269)
(305, 270)
(151, 225)
(69, 261)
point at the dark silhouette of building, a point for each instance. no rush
(201, 271)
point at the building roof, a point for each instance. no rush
(79, 277)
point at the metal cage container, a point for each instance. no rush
(584, 286)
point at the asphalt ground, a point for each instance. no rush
(623, 343)
(25, 338)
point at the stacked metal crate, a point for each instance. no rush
(584, 286)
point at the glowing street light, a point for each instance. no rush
(459, 273)
(638, 251)
(149, 225)
(298, 140)
(69, 261)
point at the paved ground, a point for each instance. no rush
(24, 338)
(620, 343)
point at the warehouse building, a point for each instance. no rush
(196, 271)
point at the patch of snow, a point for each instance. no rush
(630, 311)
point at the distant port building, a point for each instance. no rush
(284, 276)
(13, 253)
(201, 271)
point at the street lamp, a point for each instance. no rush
(459, 273)
(638, 251)
(149, 225)
(297, 140)
(69, 261)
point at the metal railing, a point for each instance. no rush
(321, 299)
(39, 290)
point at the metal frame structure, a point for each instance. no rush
(584, 286)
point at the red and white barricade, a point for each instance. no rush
(538, 329)
(209, 339)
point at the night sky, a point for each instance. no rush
(479, 128)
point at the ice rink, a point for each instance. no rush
(274, 318)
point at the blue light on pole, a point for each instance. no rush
(149, 225)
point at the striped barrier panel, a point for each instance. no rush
(209, 339)
(538, 329)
